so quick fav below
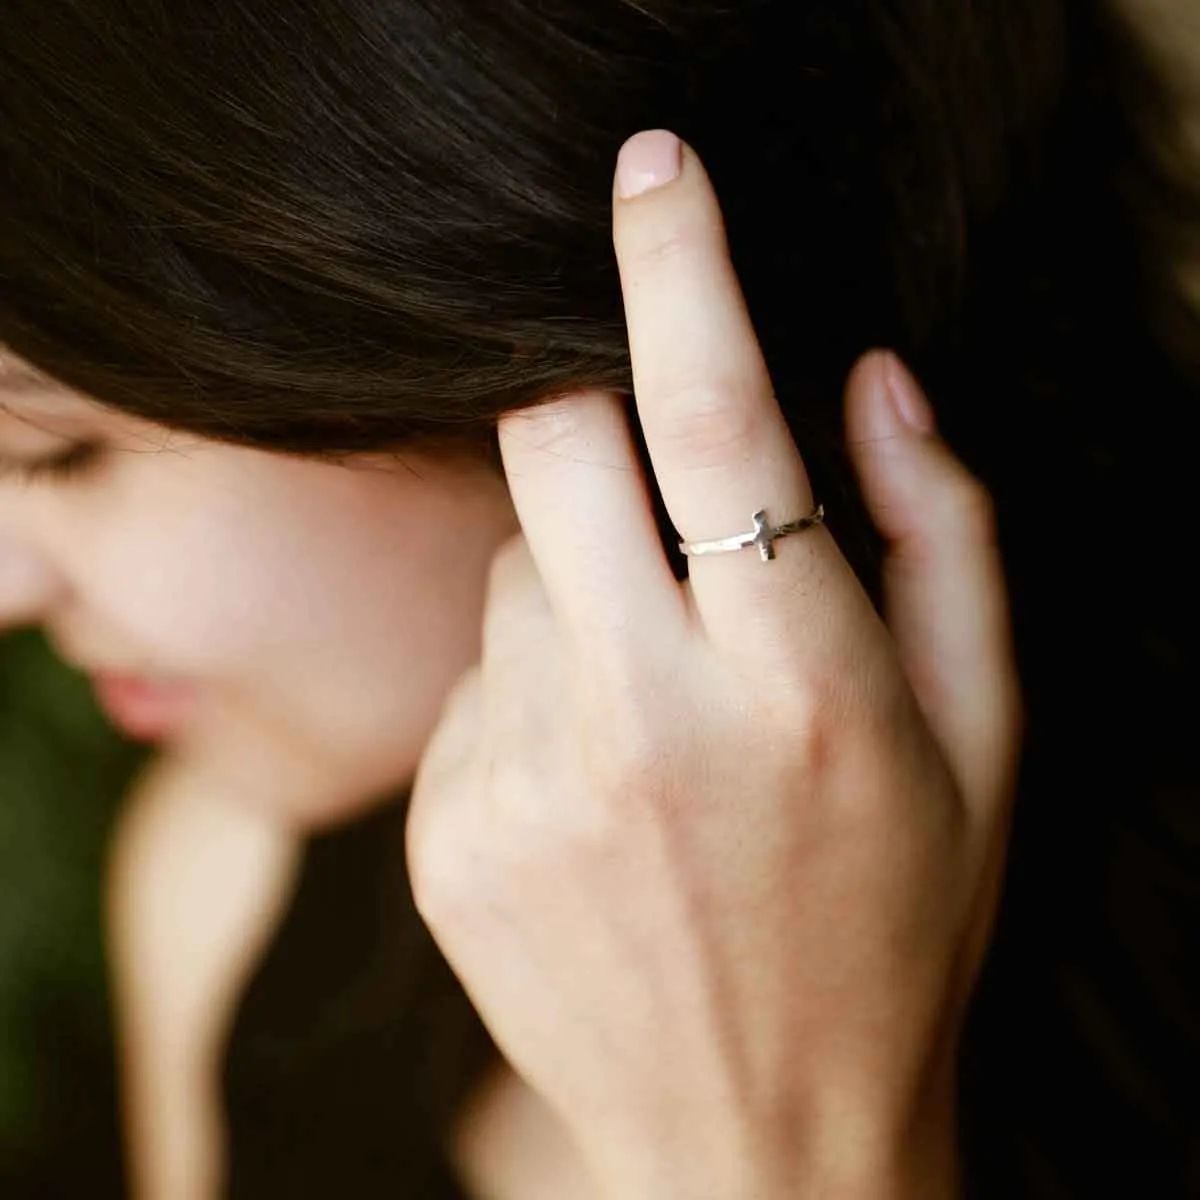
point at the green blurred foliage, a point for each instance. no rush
(63, 770)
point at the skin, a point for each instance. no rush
(323, 610)
(657, 963)
(718, 863)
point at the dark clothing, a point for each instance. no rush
(354, 1043)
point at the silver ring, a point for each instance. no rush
(763, 535)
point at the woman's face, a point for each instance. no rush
(321, 611)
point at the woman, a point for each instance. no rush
(303, 269)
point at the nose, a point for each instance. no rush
(27, 584)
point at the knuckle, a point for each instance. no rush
(631, 762)
(630, 768)
(631, 723)
(680, 235)
(800, 706)
(709, 422)
(831, 706)
(543, 427)
(664, 249)
(434, 872)
(815, 719)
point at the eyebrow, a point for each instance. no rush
(17, 378)
(7, 408)
(13, 370)
(9, 461)
(31, 421)
(37, 393)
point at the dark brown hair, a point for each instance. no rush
(373, 221)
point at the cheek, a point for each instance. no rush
(221, 598)
(384, 612)
(328, 606)
(187, 586)
(323, 611)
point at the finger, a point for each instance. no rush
(441, 794)
(519, 659)
(720, 446)
(945, 593)
(582, 500)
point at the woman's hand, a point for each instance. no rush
(717, 862)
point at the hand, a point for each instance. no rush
(717, 862)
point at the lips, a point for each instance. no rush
(144, 708)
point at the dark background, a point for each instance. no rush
(63, 770)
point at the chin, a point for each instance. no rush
(301, 784)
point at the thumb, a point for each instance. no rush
(945, 597)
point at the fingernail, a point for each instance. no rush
(907, 397)
(648, 160)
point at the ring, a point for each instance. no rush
(763, 535)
